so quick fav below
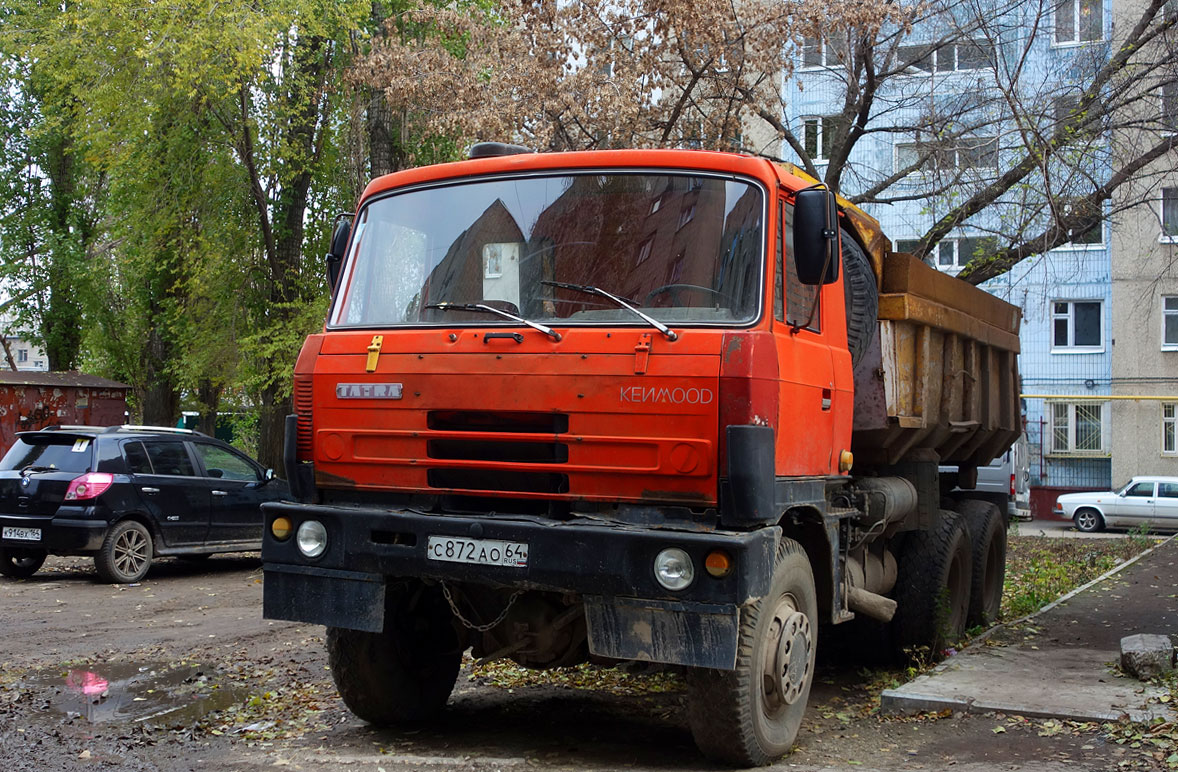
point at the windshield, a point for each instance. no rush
(684, 249)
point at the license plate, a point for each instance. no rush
(483, 552)
(22, 534)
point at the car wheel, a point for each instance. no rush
(1088, 521)
(125, 554)
(20, 563)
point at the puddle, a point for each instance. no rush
(168, 693)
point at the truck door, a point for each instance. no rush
(805, 433)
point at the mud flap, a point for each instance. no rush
(693, 634)
(348, 599)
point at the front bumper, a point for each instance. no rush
(603, 562)
(61, 535)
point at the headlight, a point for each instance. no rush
(673, 569)
(311, 538)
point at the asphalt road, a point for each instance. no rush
(180, 672)
(1063, 529)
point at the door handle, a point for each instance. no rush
(220, 493)
(150, 490)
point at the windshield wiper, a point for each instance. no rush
(591, 290)
(498, 312)
(31, 469)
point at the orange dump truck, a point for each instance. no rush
(668, 406)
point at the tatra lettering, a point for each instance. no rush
(368, 390)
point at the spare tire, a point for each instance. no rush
(862, 298)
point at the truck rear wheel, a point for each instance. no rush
(933, 585)
(405, 673)
(987, 536)
(750, 716)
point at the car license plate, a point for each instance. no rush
(22, 534)
(484, 552)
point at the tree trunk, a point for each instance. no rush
(61, 323)
(306, 97)
(160, 403)
(159, 395)
(271, 425)
(209, 397)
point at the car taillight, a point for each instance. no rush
(89, 486)
(1012, 490)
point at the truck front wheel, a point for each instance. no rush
(405, 673)
(750, 716)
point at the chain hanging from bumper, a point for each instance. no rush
(471, 625)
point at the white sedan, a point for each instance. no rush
(1151, 502)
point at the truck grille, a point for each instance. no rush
(494, 447)
(498, 421)
(303, 403)
(498, 480)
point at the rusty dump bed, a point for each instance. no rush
(942, 374)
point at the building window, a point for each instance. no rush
(1076, 326)
(1170, 323)
(1089, 237)
(823, 53)
(1169, 114)
(675, 273)
(644, 250)
(964, 153)
(1170, 427)
(1079, 21)
(817, 136)
(1077, 427)
(948, 57)
(1170, 214)
(22, 355)
(955, 253)
(687, 215)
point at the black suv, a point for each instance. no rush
(125, 494)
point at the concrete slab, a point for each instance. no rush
(1074, 684)
(1059, 663)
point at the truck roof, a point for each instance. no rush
(686, 160)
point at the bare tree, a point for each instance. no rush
(1011, 119)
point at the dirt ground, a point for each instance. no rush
(180, 672)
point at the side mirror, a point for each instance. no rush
(339, 246)
(269, 475)
(816, 237)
